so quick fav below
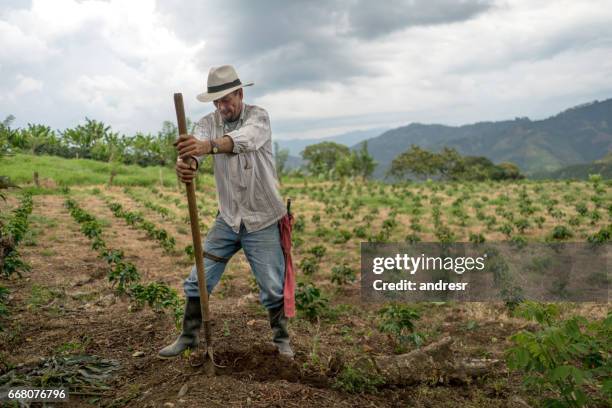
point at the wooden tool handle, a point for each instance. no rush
(193, 218)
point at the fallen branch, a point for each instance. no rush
(434, 363)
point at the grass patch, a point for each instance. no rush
(70, 172)
(41, 295)
(47, 252)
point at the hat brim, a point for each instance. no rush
(209, 97)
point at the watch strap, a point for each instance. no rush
(214, 147)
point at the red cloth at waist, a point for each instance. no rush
(285, 226)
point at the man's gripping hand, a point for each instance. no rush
(186, 170)
(188, 146)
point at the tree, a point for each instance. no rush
(280, 160)
(39, 138)
(507, 171)
(166, 136)
(322, 157)
(345, 166)
(450, 165)
(416, 161)
(364, 163)
(83, 137)
(6, 135)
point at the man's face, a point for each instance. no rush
(230, 105)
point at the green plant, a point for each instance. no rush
(570, 359)
(309, 265)
(506, 229)
(189, 251)
(397, 320)
(318, 251)
(157, 295)
(601, 236)
(4, 312)
(519, 241)
(521, 225)
(360, 232)
(341, 236)
(11, 233)
(165, 240)
(444, 234)
(342, 274)
(476, 238)
(357, 380)
(300, 224)
(559, 233)
(582, 209)
(122, 274)
(309, 301)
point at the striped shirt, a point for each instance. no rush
(247, 186)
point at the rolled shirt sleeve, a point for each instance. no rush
(254, 132)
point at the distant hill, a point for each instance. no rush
(294, 162)
(581, 171)
(577, 135)
(295, 146)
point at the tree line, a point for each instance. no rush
(91, 140)
(332, 160)
(96, 140)
(448, 164)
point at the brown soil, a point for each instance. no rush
(81, 308)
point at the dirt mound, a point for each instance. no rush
(263, 363)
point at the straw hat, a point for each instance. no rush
(221, 81)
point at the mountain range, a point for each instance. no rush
(579, 135)
(295, 146)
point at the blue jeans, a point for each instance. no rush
(262, 250)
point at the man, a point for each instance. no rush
(239, 138)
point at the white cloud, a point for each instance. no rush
(113, 61)
(121, 61)
(20, 87)
(26, 85)
(18, 47)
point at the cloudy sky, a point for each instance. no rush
(320, 67)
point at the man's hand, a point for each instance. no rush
(184, 171)
(188, 145)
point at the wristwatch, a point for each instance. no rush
(214, 147)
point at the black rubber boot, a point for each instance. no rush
(280, 335)
(192, 321)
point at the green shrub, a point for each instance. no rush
(397, 320)
(355, 380)
(318, 251)
(300, 224)
(569, 359)
(582, 209)
(4, 312)
(476, 238)
(343, 274)
(157, 295)
(360, 232)
(412, 238)
(123, 274)
(559, 233)
(309, 265)
(601, 236)
(341, 236)
(15, 228)
(309, 301)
